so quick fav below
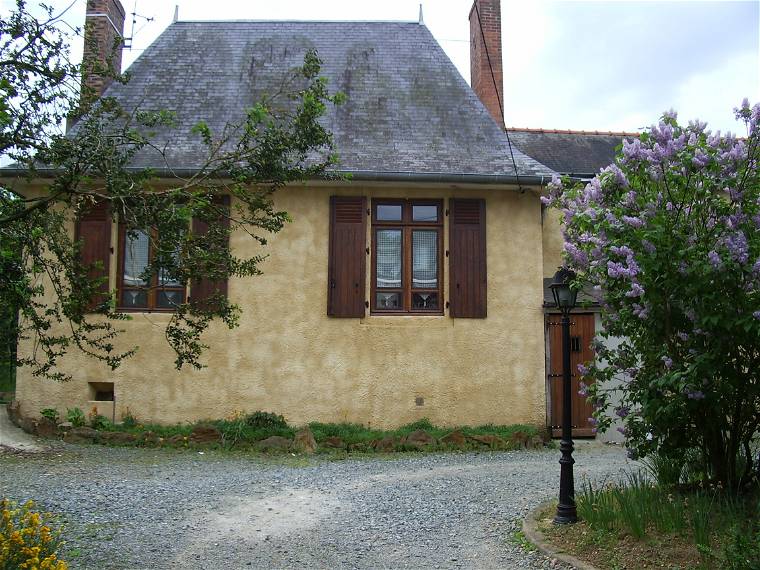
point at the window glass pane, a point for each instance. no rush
(170, 299)
(424, 259)
(389, 300)
(425, 301)
(135, 298)
(164, 278)
(425, 213)
(135, 258)
(389, 212)
(389, 258)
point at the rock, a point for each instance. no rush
(274, 443)
(28, 425)
(176, 439)
(81, 435)
(492, 441)
(334, 442)
(117, 437)
(14, 412)
(384, 445)
(45, 427)
(454, 439)
(150, 438)
(535, 442)
(205, 434)
(65, 426)
(419, 438)
(304, 441)
(519, 439)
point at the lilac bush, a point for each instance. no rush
(667, 240)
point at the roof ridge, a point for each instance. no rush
(272, 21)
(572, 132)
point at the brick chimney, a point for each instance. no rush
(485, 23)
(104, 23)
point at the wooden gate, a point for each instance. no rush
(581, 335)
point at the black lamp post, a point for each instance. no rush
(564, 297)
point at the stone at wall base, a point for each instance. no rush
(274, 443)
(81, 435)
(304, 441)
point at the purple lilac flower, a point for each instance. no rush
(636, 291)
(640, 311)
(648, 246)
(756, 314)
(668, 362)
(632, 221)
(714, 259)
(622, 411)
(683, 336)
(583, 390)
(695, 395)
(623, 431)
(593, 421)
(583, 370)
(738, 247)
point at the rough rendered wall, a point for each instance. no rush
(552, 241)
(288, 357)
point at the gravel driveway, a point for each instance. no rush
(143, 508)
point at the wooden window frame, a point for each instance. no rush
(152, 289)
(407, 225)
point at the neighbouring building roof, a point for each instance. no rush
(409, 111)
(575, 153)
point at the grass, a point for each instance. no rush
(638, 523)
(242, 432)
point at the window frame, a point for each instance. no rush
(152, 289)
(407, 225)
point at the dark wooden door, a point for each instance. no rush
(581, 335)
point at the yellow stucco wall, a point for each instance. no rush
(552, 241)
(288, 357)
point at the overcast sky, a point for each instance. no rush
(593, 65)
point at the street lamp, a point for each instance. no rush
(564, 298)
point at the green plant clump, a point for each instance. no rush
(51, 414)
(76, 417)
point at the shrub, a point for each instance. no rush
(263, 420)
(28, 539)
(76, 417)
(51, 414)
(667, 240)
(99, 422)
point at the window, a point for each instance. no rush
(136, 249)
(407, 256)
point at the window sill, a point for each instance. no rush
(407, 321)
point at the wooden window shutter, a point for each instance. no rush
(467, 258)
(347, 257)
(93, 228)
(202, 289)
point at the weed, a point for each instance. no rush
(76, 417)
(51, 414)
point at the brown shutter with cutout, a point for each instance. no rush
(347, 258)
(94, 230)
(201, 290)
(467, 258)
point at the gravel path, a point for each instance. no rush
(141, 508)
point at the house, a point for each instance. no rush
(415, 290)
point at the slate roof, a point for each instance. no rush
(409, 111)
(576, 153)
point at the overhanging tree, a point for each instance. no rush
(668, 238)
(278, 141)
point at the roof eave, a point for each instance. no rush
(358, 175)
